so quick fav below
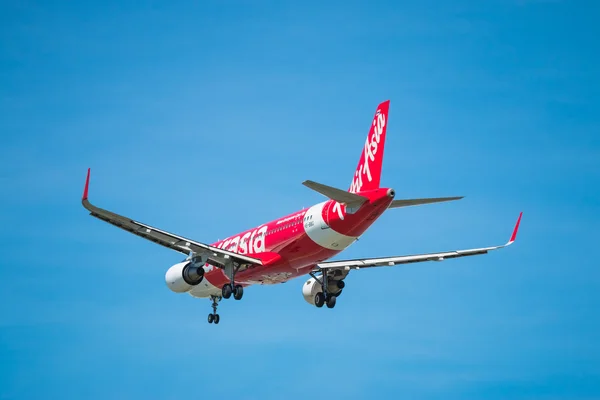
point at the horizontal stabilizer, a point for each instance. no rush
(416, 202)
(339, 195)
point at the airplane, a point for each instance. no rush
(294, 245)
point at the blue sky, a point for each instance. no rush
(203, 118)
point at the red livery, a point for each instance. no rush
(294, 245)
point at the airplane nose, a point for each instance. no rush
(391, 193)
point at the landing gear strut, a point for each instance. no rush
(231, 288)
(324, 297)
(214, 317)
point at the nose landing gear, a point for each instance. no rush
(214, 317)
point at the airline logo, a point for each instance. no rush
(373, 145)
(250, 242)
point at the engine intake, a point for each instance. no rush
(182, 277)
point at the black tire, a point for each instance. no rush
(226, 291)
(341, 284)
(211, 319)
(319, 299)
(217, 318)
(238, 292)
(331, 301)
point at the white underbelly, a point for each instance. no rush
(205, 289)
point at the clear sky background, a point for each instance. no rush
(203, 118)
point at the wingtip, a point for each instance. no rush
(513, 237)
(87, 185)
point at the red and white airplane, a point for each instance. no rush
(294, 245)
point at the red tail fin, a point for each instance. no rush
(368, 171)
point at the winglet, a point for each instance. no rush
(87, 185)
(514, 234)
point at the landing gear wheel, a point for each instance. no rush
(331, 301)
(214, 317)
(226, 291)
(319, 299)
(341, 284)
(231, 288)
(238, 292)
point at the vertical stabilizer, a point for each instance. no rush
(368, 171)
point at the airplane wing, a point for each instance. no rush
(216, 256)
(347, 265)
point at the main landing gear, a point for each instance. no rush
(321, 299)
(231, 288)
(237, 291)
(325, 297)
(214, 317)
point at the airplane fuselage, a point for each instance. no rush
(297, 242)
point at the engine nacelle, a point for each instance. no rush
(182, 277)
(311, 287)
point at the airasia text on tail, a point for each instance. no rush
(368, 172)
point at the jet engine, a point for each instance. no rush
(181, 277)
(311, 287)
